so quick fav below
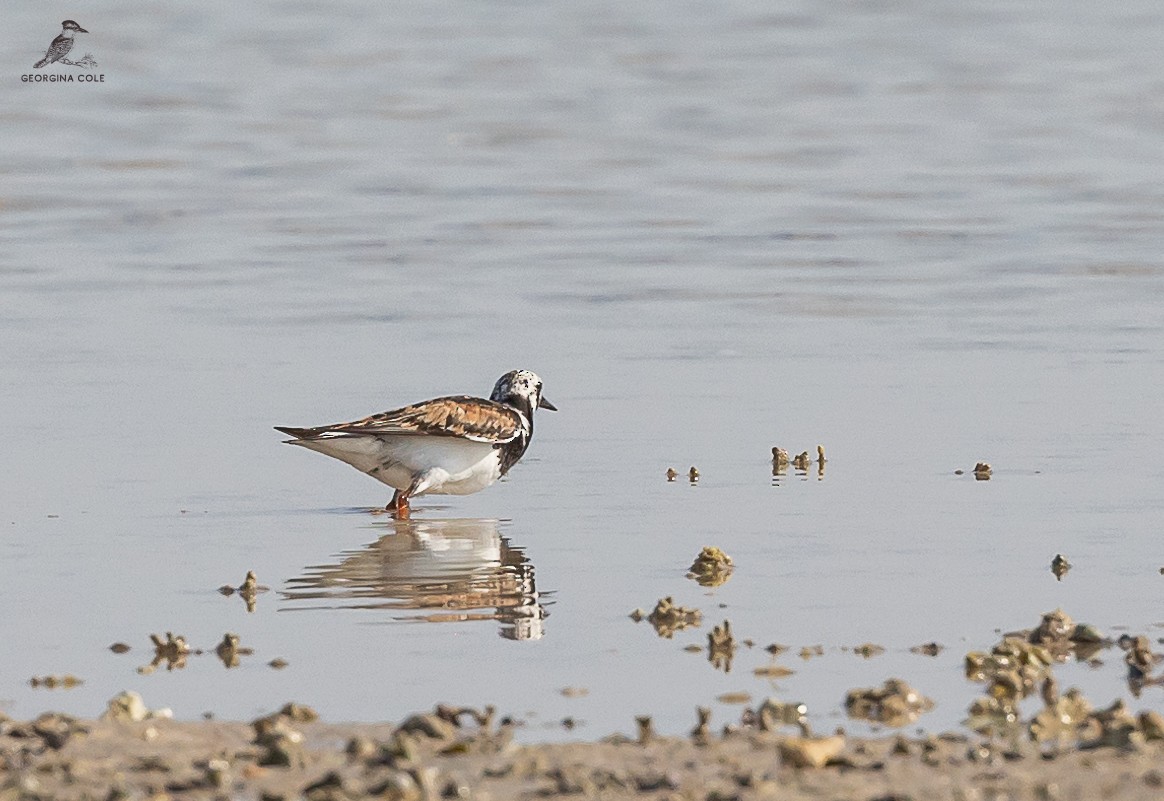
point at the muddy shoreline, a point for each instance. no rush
(467, 753)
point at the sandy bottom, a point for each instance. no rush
(466, 754)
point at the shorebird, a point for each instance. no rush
(61, 45)
(455, 445)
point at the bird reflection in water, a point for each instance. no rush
(447, 570)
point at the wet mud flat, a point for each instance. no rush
(466, 753)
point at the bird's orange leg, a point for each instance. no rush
(399, 505)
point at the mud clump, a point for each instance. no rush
(894, 703)
(173, 651)
(721, 647)
(249, 590)
(1021, 665)
(130, 707)
(811, 752)
(65, 682)
(711, 568)
(229, 650)
(772, 671)
(809, 651)
(1140, 660)
(774, 714)
(668, 618)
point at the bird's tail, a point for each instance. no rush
(40, 64)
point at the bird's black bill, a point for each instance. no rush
(545, 404)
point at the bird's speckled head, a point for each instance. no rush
(69, 25)
(522, 390)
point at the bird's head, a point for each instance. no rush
(522, 390)
(70, 25)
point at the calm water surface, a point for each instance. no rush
(920, 234)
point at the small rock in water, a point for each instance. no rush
(711, 568)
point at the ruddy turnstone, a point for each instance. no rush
(456, 445)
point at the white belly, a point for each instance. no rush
(446, 465)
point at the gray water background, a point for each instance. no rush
(920, 234)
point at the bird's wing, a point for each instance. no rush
(61, 45)
(458, 416)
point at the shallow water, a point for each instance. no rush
(922, 235)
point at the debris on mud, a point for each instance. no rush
(646, 729)
(128, 706)
(894, 703)
(667, 618)
(1060, 566)
(455, 752)
(701, 734)
(711, 568)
